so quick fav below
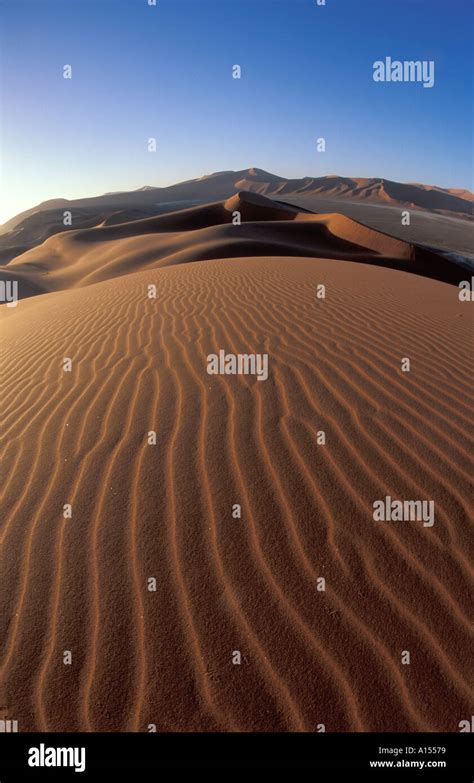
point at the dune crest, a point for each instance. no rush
(122, 245)
(34, 225)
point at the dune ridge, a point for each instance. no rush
(33, 226)
(89, 255)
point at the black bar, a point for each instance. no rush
(143, 754)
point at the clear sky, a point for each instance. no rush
(166, 72)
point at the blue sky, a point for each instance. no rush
(166, 72)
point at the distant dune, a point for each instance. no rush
(118, 247)
(35, 225)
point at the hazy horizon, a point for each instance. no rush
(210, 174)
(165, 72)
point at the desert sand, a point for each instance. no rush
(309, 658)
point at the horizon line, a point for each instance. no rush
(229, 171)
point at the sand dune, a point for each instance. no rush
(165, 511)
(90, 255)
(33, 226)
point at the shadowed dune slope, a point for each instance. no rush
(89, 255)
(33, 226)
(163, 512)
